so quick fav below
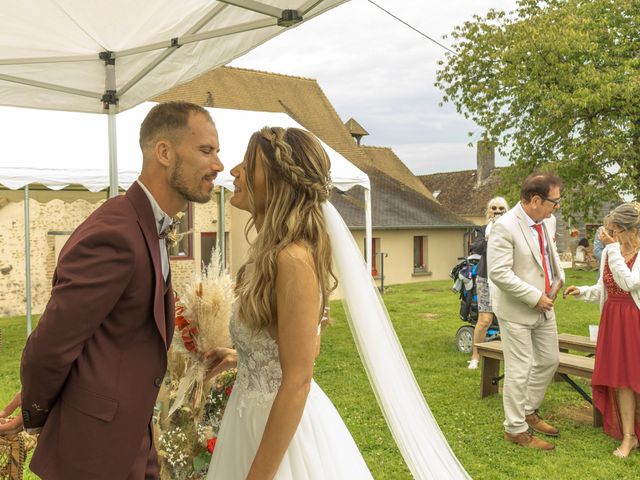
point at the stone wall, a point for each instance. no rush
(44, 219)
(50, 225)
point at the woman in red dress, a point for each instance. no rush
(616, 376)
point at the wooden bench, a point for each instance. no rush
(568, 341)
(491, 354)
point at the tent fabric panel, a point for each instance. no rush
(68, 28)
(92, 180)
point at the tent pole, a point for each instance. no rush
(221, 240)
(27, 257)
(113, 153)
(368, 228)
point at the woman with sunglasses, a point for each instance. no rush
(496, 207)
(616, 375)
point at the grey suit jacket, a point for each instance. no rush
(515, 267)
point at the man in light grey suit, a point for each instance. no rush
(523, 266)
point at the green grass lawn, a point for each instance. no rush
(425, 318)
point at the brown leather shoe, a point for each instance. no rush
(540, 426)
(525, 439)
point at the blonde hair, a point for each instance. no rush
(626, 217)
(296, 170)
(500, 201)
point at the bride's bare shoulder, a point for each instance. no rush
(296, 259)
(294, 253)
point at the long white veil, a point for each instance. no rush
(416, 432)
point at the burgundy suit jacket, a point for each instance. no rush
(92, 368)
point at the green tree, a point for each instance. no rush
(557, 85)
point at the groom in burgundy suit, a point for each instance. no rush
(92, 368)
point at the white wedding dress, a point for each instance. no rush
(322, 447)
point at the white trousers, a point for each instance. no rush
(531, 357)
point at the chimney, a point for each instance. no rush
(486, 160)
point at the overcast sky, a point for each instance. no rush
(380, 72)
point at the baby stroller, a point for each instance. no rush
(464, 276)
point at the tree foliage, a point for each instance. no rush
(557, 85)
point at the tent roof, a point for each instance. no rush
(66, 54)
(62, 148)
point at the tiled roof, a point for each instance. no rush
(459, 193)
(399, 199)
(385, 160)
(301, 98)
(394, 206)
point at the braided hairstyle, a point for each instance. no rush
(296, 169)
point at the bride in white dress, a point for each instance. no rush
(278, 423)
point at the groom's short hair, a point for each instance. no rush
(165, 120)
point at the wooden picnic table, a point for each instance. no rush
(569, 341)
(491, 354)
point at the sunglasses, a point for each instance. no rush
(499, 209)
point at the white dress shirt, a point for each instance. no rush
(163, 221)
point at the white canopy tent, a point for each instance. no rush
(107, 56)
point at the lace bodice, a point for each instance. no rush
(259, 372)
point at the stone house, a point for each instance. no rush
(419, 238)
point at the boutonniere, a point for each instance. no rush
(171, 233)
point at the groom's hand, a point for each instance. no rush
(219, 360)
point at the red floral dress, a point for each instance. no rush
(617, 362)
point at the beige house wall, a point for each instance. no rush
(443, 247)
(204, 220)
(238, 242)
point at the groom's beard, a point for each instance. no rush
(179, 182)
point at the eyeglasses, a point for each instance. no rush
(555, 202)
(500, 209)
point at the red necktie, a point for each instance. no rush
(547, 283)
